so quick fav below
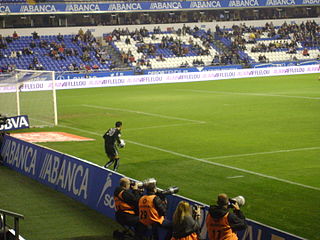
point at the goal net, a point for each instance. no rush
(32, 93)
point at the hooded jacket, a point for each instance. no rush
(235, 219)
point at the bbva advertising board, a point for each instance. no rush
(14, 123)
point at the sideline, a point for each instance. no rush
(204, 160)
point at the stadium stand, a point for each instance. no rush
(288, 42)
(158, 49)
(56, 53)
(165, 49)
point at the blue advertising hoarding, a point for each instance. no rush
(14, 123)
(65, 75)
(93, 185)
(285, 64)
(139, 6)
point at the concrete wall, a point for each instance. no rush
(100, 30)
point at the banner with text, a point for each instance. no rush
(164, 78)
(14, 123)
(66, 75)
(93, 185)
(139, 6)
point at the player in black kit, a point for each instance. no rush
(111, 140)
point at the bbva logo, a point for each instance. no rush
(17, 122)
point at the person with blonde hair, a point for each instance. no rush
(185, 226)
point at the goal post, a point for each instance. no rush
(32, 93)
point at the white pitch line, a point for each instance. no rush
(205, 161)
(262, 153)
(160, 126)
(225, 166)
(239, 176)
(250, 94)
(143, 113)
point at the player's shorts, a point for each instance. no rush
(111, 151)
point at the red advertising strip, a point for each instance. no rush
(49, 137)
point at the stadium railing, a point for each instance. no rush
(4, 226)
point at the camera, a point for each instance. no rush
(169, 191)
(3, 120)
(239, 199)
(144, 183)
(196, 210)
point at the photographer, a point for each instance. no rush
(186, 227)
(3, 121)
(126, 198)
(152, 211)
(222, 224)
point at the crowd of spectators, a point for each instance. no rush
(84, 46)
(288, 37)
(308, 34)
(276, 45)
(171, 44)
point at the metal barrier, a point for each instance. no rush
(16, 217)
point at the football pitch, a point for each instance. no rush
(255, 137)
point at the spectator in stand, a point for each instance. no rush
(88, 68)
(185, 64)
(9, 39)
(15, 35)
(60, 37)
(71, 67)
(81, 34)
(35, 35)
(3, 43)
(32, 44)
(43, 44)
(13, 54)
(11, 67)
(61, 49)
(216, 60)
(292, 50)
(95, 67)
(262, 58)
(112, 65)
(127, 41)
(27, 51)
(305, 52)
(86, 56)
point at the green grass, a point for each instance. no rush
(174, 131)
(48, 214)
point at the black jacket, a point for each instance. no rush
(129, 196)
(236, 219)
(160, 205)
(186, 227)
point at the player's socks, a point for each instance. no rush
(108, 164)
(116, 165)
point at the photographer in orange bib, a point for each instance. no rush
(223, 224)
(152, 212)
